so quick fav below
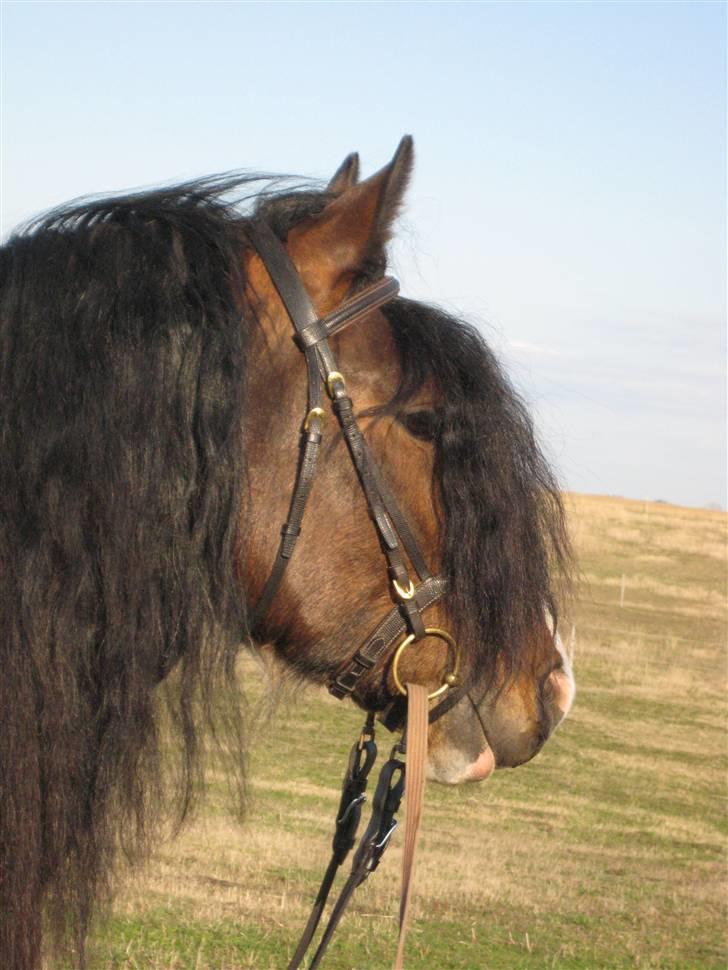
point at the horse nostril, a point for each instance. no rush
(545, 714)
(555, 697)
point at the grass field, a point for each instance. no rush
(608, 850)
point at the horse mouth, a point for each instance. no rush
(482, 768)
(456, 770)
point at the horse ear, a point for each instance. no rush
(352, 230)
(346, 175)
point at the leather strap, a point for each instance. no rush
(354, 310)
(344, 410)
(373, 843)
(353, 795)
(283, 273)
(382, 638)
(302, 313)
(400, 522)
(291, 530)
(312, 335)
(395, 776)
(414, 794)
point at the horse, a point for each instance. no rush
(152, 397)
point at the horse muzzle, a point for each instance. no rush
(501, 731)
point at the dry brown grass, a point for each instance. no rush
(606, 851)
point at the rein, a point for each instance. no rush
(401, 627)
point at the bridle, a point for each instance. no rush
(312, 337)
(404, 622)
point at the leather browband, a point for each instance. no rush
(355, 309)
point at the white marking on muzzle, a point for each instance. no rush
(565, 684)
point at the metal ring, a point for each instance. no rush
(313, 413)
(450, 680)
(331, 379)
(404, 594)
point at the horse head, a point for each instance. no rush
(151, 405)
(457, 450)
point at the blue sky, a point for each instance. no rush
(569, 194)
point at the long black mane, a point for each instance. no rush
(122, 363)
(123, 355)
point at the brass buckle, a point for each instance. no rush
(449, 680)
(314, 413)
(404, 594)
(333, 378)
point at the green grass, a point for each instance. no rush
(443, 943)
(606, 851)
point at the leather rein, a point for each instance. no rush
(403, 623)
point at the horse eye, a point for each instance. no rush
(420, 424)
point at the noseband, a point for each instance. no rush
(404, 622)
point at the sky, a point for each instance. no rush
(569, 196)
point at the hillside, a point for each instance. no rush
(606, 851)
